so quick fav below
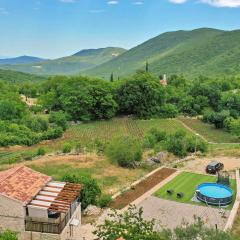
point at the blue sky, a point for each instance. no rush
(55, 28)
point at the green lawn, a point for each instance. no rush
(186, 182)
(209, 132)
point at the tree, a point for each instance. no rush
(129, 225)
(81, 98)
(125, 151)
(111, 77)
(147, 66)
(141, 95)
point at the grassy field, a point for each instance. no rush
(209, 132)
(110, 177)
(186, 183)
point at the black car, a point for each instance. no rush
(214, 167)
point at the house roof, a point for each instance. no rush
(22, 183)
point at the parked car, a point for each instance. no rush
(214, 167)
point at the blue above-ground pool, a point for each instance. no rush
(214, 194)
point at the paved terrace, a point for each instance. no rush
(170, 214)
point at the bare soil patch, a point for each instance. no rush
(199, 164)
(129, 196)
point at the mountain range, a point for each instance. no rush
(208, 52)
(203, 51)
(20, 60)
(74, 64)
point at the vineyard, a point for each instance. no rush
(87, 133)
(106, 130)
(209, 132)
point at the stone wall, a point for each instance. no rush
(11, 214)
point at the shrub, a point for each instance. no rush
(168, 111)
(67, 147)
(41, 151)
(52, 133)
(104, 201)
(59, 118)
(28, 156)
(196, 144)
(176, 144)
(99, 145)
(90, 191)
(78, 147)
(154, 136)
(125, 151)
(8, 235)
(235, 127)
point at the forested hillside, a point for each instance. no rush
(191, 53)
(18, 77)
(69, 65)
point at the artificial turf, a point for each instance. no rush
(186, 183)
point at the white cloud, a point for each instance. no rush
(3, 11)
(68, 1)
(113, 2)
(223, 3)
(138, 3)
(178, 1)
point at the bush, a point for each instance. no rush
(59, 118)
(176, 144)
(8, 235)
(104, 201)
(153, 137)
(196, 144)
(235, 127)
(52, 133)
(67, 147)
(90, 191)
(28, 156)
(41, 151)
(125, 151)
(78, 147)
(168, 111)
(99, 145)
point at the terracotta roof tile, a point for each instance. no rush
(22, 183)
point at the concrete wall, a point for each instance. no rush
(73, 232)
(69, 232)
(12, 214)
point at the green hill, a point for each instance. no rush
(199, 52)
(18, 77)
(74, 64)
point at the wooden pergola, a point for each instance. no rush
(65, 198)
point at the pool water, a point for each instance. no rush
(214, 190)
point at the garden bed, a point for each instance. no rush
(138, 190)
